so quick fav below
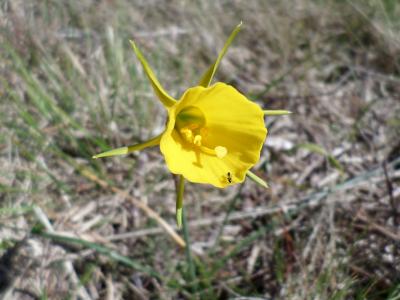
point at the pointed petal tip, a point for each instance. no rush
(113, 152)
(100, 155)
(134, 47)
(264, 184)
(132, 42)
(277, 112)
(257, 179)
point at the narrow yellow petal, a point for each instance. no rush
(257, 179)
(276, 112)
(113, 152)
(125, 150)
(165, 99)
(208, 76)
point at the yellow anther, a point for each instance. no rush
(194, 135)
(220, 151)
(197, 140)
(193, 126)
(187, 134)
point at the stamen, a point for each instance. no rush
(194, 135)
(187, 134)
(193, 126)
(207, 150)
(197, 140)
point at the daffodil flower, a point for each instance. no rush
(214, 134)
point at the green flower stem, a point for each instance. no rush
(189, 260)
(182, 223)
(179, 201)
(125, 150)
(276, 112)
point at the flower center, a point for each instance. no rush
(190, 123)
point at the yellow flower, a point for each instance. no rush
(214, 133)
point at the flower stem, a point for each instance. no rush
(179, 201)
(182, 222)
(189, 259)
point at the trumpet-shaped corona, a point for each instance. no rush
(213, 131)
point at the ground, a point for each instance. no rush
(76, 228)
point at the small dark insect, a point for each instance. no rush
(229, 177)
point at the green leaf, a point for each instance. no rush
(99, 249)
(320, 150)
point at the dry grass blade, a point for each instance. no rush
(291, 206)
(151, 213)
(70, 85)
(378, 228)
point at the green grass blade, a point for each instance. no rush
(320, 150)
(219, 263)
(124, 260)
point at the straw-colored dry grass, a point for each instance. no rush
(75, 228)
